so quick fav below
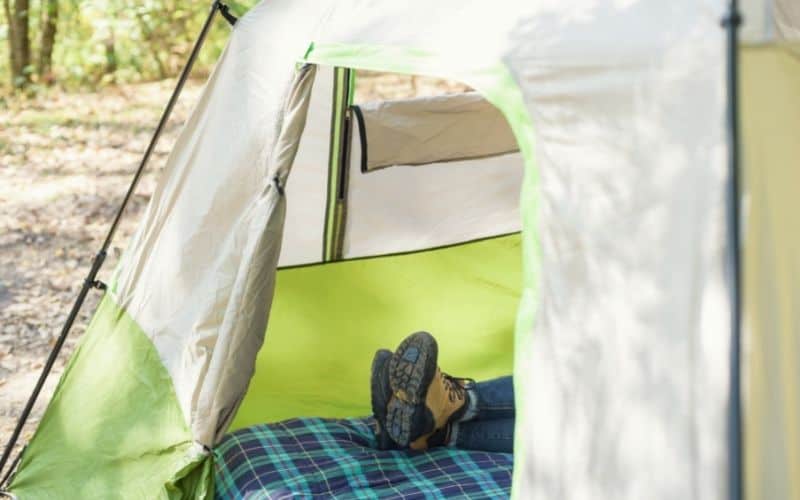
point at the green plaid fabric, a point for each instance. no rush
(321, 458)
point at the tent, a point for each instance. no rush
(609, 284)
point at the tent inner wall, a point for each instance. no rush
(439, 171)
(327, 321)
(431, 246)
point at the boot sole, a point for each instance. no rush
(411, 371)
(379, 399)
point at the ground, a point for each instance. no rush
(66, 161)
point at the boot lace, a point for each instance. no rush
(456, 387)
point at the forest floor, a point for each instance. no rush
(66, 161)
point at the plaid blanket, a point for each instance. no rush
(313, 457)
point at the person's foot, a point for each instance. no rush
(381, 393)
(411, 370)
(425, 399)
(439, 437)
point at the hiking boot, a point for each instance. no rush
(381, 393)
(411, 371)
(439, 437)
(425, 399)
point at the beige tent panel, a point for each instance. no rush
(433, 129)
(404, 208)
(472, 188)
(787, 19)
(222, 243)
(307, 187)
(467, 189)
(771, 146)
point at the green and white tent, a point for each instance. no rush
(565, 221)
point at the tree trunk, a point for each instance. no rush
(18, 42)
(111, 54)
(22, 42)
(49, 26)
(12, 36)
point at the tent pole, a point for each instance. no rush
(731, 23)
(91, 279)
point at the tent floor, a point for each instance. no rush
(328, 458)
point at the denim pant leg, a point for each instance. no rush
(492, 428)
(495, 399)
(486, 435)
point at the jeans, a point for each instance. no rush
(492, 428)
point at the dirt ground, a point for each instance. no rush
(66, 161)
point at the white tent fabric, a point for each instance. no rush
(770, 20)
(309, 180)
(421, 207)
(621, 365)
(458, 198)
(431, 181)
(434, 129)
(452, 198)
(216, 244)
(626, 374)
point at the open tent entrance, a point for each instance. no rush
(395, 218)
(398, 216)
(402, 215)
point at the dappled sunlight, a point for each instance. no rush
(65, 163)
(627, 367)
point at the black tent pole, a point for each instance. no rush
(731, 22)
(91, 279)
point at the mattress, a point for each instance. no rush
(337, 458)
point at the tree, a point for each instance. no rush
(19, 46)
(18, 14)
(47, 40)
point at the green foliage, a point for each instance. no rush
(99, 42)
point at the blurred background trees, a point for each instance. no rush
(86, 44)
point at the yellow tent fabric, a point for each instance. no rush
(771, 146)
